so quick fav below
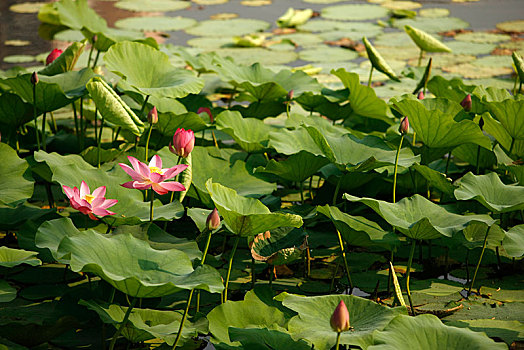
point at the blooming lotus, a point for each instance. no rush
(183, 142)
(152, 175)
(87, 203)
(53, 56)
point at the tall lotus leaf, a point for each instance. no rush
(14, 112)
(377, 61)
(428, 332)
(319, 103)
(10, 257)
(248, 313)
(294, 141)
(439, 130)
(419, 218)
(66, 61)
(435, 178)
(149, 71)
(444, 105)
(513, 242)
(111, 36)
(251, 134)
(509, 113)
(491, 192)
(50, 234)
(425, 41)
(168, 123)
(71, 170)
(263, 338)
(112, 107)
(497, 130)
(453, 89)
(296, 167)
(14, 187)
(314, 313)
(52, 92)
(133, 267)
(519, 65)
(357, 230)
(281, 246)
(247, 216)
(78, 15)
(363, 99)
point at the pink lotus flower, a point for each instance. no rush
(420, 95)
(87, 203)
(340, 318)
(52, 56)
(404, 126)
(183, 142)
(466, 103)
(152, 176)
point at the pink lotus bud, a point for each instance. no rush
(340, 318)
(53, 56)
(152, 116)
(213, 220)
(404, 126)
(183, 142)
(206, 110)
(290, 95)
(94, 38)
(466, 103)
(420, 95)
(34, 78)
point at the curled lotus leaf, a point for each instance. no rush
(279, 246)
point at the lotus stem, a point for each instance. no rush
(235, 245)
(123, 324)
(408, 273)
(152, 198)
(447, 164)
(76, 123)
(301, 192)
(181, 328)
(35, 117)
(396, 169)
(147, 147)
(214, 138)
(96, 126)
(231, 97)
(335, 195)
(253, 275)
(288, 103)
(90, 54)
(100, 140)
(344, 258)
(310, 185)
(96, 59)
(511, 146)
(308, 257)
(82, 133)
(478, 263)
(478, 160)
(338, 341)
(332, 284)
(143, 108)
(43, 131)
(53, 123)
(271, 272)
(421, 55)
(370, 76)
(414, 138)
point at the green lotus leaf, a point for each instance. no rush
(7, 293)
(293, 18)
(508, 113)
(437, 129)
(475, 233)
(52, 92)
(148, 323)
(279, 246)
(15, 187)
(314, 313)
(66, 61)
(325, 53)
(432, 25)
(419, 218)
(149, 71)
(425, 41)
(71, 170)
(519, 64)
(14, 112)
(112, 36)
(513, 242)
(157, 6)
(357, 230)
(297, 167)
(228, 27)
(130, 265)
(354, 12)
(112, 108)
(491, 192)
(262, 338)
(320, 104)
(237, 177)
(247, 216)
(155, 23)
(378, 62)
(436, 287)
(468, 153)
(78, 15)
(435, 178)
(509, 331)
(453, 89)
(168, 123)
(50, 234)
(248, 313)
(427, 332)
(362, 98)
(10, 257)
(251, 134)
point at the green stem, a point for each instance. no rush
(35, 117)
(43, 131)
(147, 142)
(396, 169)
(370, 76)
(420, 57)
(338, 341)
(408, 273)
(253, 277)
(301, 192)
(53, 123)
(152, 198)
(90, 54)
(82, 132)
(447, 164)
(478, 160)
(341, 243)
(390, 275)
(288, 103)
(96, 59)
(143, 107)
(181, 328)
(235, 245)
(76, 123)
(231, 97)
(478, 263)
(335, 195)
(310, 190)
(123, 324)
(100, 140)
(96, 125)
(510, 147)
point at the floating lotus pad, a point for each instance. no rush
(255, 3)
(470, 48)
(445, 60)
(433, 25)
(396, 39)
(152, 6)
(511, 26)
(472, 71)
(434, 13)
(300, 39)
(155, 24)
(7, 293)
(251, 55)
(331, 26)
(398, 53)
(323, 1)
(19, 59)
(207, 42)
(228, 27)
(482, 37)
(327, 54)
(210, 2)
(354, 12)
(401, 5)
(27, 7)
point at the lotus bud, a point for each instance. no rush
(94, 38)
(206, 110)
(34, 78)
(183, 142)
(404, 126)
(340, 318)
(213, 220)
(466, 103)
(152, 116)
(420, 95)
(290, 95)
(53, 56)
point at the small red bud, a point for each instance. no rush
(213, 220)
(94, 38)
(290, 95)
(340, 318)
(52, 56)
(152, 116)
(466, 103)
(404, 126)
(34, 78)
(183, 142)
(420, 95)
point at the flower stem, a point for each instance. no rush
(143, 107)
(123, 324)
(408, 272)
(370, 76)
(344, 258)
(100, 140)
(335, 195)
(288, 103)
(147, 141)
(96, 59)
(35, 117)
(76, 123)
(152, 198)
(396, 169)
(43, 130)
(232, 254)
(338, 341)
(420, 57)
(478, 159)
(478, 263)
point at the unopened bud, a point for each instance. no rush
(290, 95)
(53, 55)
(466, 103)
(213, 220)
(404, 126)
(340, 318)
(34, 78)
(420, 95)
(152, 116)
(94, 38)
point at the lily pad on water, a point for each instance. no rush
(14, 187)
(314, 313)
(326, 53)
(473, 71)
(434, 12)
(358, 28)
(511, 26)
(229, 27)
(419, 218)
(354, 12)
(150, 6)
(433, 25)
(155, 23)
(252, 55)
(509, 331)
(482, 37)
(470, 48)
(400, 5)
(427, 332)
